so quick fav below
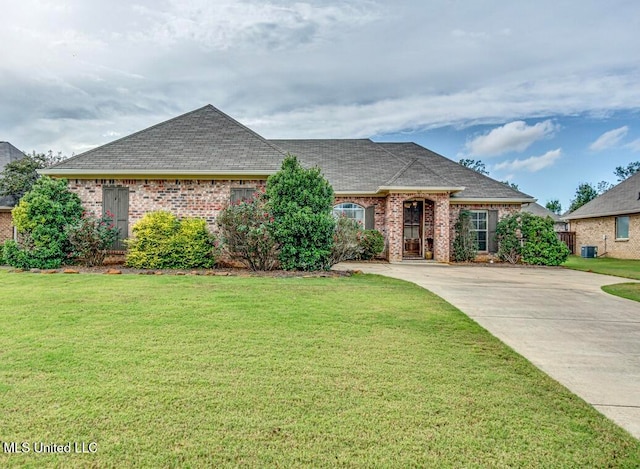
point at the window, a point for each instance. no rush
(350, 210)
(479, 224)
(243, 193)
(622, 227)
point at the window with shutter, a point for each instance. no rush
(242, 193)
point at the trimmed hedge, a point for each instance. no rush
(162, 241)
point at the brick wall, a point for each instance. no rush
(591, 231)
(436, 223)
(184, 198)
(503, 210)
(6, 228)
(366, 202)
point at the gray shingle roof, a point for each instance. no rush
(360, 165)
(207, 140)
(202, 140)
(8, 153)
(621, 199)
(477, 186)
(539, 210)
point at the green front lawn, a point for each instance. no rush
(603, 265)
(364, 371)
(631, 291)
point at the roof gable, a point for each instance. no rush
(476, 185)
(621, 199)
(202, 140)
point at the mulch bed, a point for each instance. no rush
(118, 269)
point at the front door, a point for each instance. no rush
(115, 204)
(412, 229)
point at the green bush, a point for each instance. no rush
(40, 219)
(530, 239)
(90, 239)
(465, 244)
(246, 235)
(347, 238)
(14, 256)
(301, 203)
(508, 236)
(161, 241)
(372, 244)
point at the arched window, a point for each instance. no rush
(350, 210)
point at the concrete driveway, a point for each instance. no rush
(558, 319)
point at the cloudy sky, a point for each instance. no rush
(545, 93)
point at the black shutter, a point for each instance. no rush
(370, 218)
(115, 202)
(493, 222)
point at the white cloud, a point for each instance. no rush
(226, 24)
(609, 139)
(514, 136)
(532, 164)
(634, 146)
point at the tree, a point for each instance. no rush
(584, 193)
(246, 234)
(623, 172)
(512, 185)
(531, 239)
(41, 218)
(18, 177)
(301, 203)
(476, 165)
(554, 206)
(603, 186)
(465, 244)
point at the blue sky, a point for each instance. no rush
(546, 157)
(545, 93)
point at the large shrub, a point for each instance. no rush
(372, 244)
(301, 203)
(40, 219)
(245, 233)
(530, 239)
(90, 238)
(465, 244)
(347, 237)
(161, 241)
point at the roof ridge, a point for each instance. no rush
(163, 123)
(126, 137)
(400, 172)
(413, 161)
(256, 134)
(472, 171)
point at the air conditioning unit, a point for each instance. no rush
(589, 252)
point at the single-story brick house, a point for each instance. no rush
(194, 164)
(611, 221)
(8, 154)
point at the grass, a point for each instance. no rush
(223, 372)
(626, 268)
(631, 291)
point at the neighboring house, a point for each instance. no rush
(559, 223)
(611, 221)
(195, 164)
(8, 153)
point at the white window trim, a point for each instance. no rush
(339, 211)
(628, 227)
(486, 230)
